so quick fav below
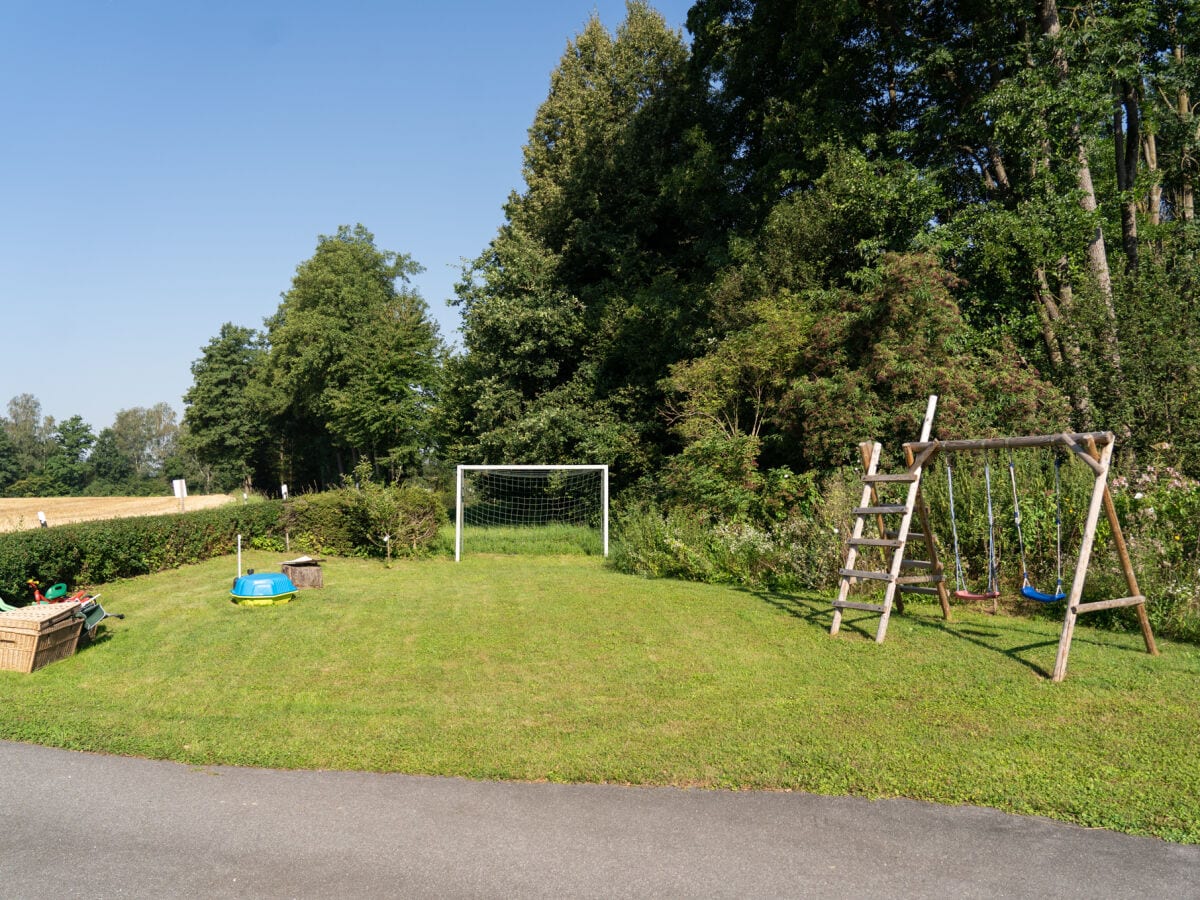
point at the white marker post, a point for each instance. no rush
(180, 487)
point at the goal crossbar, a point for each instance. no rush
(601, 470)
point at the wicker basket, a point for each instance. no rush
(36, 636)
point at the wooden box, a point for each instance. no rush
(36, 636)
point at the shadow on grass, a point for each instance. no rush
(103, 636)
(819, 612)
(993, 640)
(816, 611)
(807, 607)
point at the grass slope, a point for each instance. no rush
(561, 669)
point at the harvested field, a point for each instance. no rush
(20, 513)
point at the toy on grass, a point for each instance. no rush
(90, 609)
(265, 589)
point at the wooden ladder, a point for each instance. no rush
(896, 570)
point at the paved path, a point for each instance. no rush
(85, 825)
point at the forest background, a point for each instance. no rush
(737, 254)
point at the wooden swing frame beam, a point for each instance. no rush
(1094, 449)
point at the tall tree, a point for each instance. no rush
(353, 362)
(68, 461)
(146, 436)
(29, 432)
(225, 427)
(110, 465)
(10, 469)
(592, 286)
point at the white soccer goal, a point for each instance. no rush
(518, 496)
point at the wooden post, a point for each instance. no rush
(1081, 564)
(865, 449)
(1131, 581)
(938, 570)
(914, 492)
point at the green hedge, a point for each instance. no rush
(89, 553)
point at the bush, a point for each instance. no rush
(96, 552)
(1159, 511)
(800, 551)
(366, 519)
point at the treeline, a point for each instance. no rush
(737, 255)
(138, 454)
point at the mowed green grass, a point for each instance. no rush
(558, 668)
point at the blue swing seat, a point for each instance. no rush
(1033, 593)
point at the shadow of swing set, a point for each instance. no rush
(902, 575)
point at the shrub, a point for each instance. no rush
(366, 519)
(1160, 516)
(799, 551)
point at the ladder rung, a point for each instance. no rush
(851, 604)
(879, 510)
(903, 478)
(917, 564)
(912, 535)
(857, 573)
(874, 542)
(913, 589)
(917, 579)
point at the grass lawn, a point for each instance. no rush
(557, 668)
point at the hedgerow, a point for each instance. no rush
(351, 521)
(89, 553)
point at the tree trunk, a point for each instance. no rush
(1154, 195)
(1127, 143)
(1096, 251)
(1187, 192)
(1060, 342)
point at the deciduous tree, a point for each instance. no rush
(353, 363)
(226, 430)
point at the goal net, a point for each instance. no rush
(507, 507)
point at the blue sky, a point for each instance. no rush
(166, 166)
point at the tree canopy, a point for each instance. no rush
(775, 239)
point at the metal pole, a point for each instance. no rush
(458, 514)
(604, 501)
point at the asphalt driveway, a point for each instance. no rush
(86, 825)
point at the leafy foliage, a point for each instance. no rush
(225, 424)
(353, 361)
(590, 288)
(364, 518)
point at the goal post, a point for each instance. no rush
(530, 495)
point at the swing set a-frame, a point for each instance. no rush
(900, 575)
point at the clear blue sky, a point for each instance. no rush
(166, 166)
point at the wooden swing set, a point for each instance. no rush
(901, 575)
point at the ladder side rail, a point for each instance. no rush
(914, 489)
(872, 462)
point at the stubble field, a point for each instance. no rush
(20, 513)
